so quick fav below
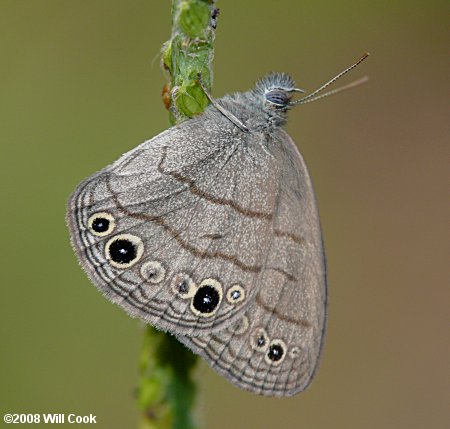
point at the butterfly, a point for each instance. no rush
(210, 231)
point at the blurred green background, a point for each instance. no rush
(80, 84)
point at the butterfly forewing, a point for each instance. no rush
(198, 209)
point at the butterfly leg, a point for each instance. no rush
(224, 112)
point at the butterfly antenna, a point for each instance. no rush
(335, 91)
(313, 96)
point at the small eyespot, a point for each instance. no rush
(124, 250)
(235, 294)
(276, 352)
(183, 285)
(294, 353)
(153, 271)
(101, 224)
(259, 340)
(241, 326)
(207, 298)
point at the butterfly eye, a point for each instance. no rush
(207, 298)
(260, 340)
(124, 250)
(101, 224)
(276, 352)
(153, 271)
(278, 97)
(183, 285)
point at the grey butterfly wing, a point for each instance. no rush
(275, 347)
(174, 230)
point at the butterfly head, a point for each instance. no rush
(273, 95)
(277, 90)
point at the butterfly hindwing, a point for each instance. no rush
(274, 348)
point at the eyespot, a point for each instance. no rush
(294, 353)
(153, 271)
(207, 298)
(101, 224)
(235, 294)
(241, 326)
(183, 285)
(124, 250)
(276, 352)
(259, 340)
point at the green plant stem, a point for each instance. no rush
(187, 54)
(167, 390)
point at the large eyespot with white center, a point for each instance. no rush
(207, 298)
(101, 224)
(153, 272)
(276, 352)
(259, 340)
(235, 294)
(183, 285)
(124, 250)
